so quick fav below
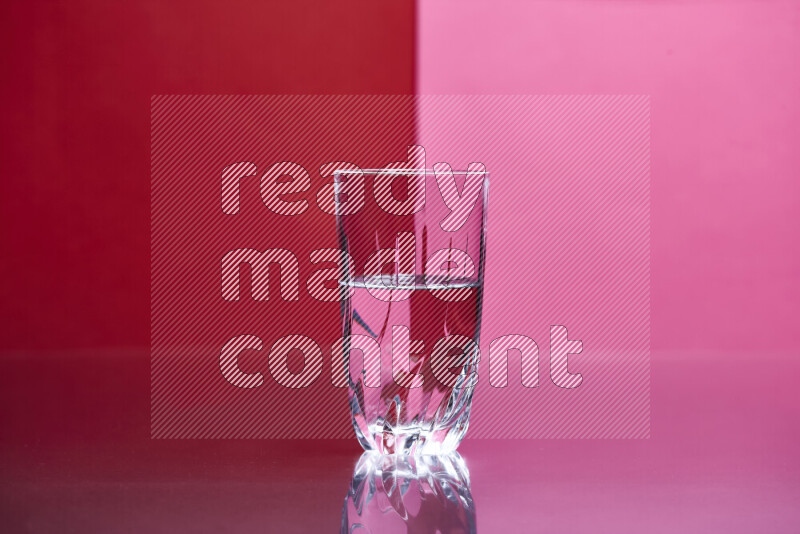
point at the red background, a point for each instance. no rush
(78, 78)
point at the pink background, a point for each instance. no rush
(723, 80)
(725, 126)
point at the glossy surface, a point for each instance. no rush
(722, 458)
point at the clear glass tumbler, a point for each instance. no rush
(411, 302)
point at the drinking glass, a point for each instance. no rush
(411, 305)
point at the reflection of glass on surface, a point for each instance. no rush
(409, 494)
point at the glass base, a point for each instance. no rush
(413, 439)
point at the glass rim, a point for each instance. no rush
(408, 171)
